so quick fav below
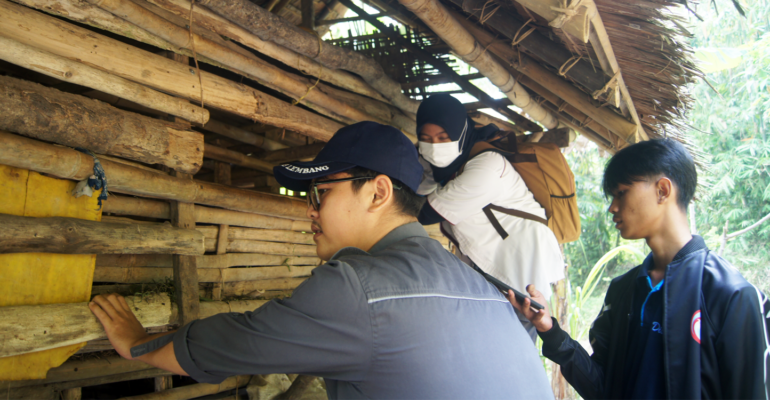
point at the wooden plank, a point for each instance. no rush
(59, 37)
(208, 262)
(21, 152)
(44, 113)
(185, 267)
(57, 325)
(140, 207)
(74, 72)
(153, 274)
(76, 236)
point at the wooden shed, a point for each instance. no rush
(138, 137)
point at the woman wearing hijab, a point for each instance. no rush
(459, 186)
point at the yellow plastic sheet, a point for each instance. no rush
(42, 278)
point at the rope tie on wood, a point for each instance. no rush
(585, 122)
(611, 84)
(568, 65)
(562, 106)
(566, 12)
(484, 18)
(94, 182)
(195, 57)
(487, 46)
(320, 47)
(517, 39)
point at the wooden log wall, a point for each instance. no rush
(119, 78)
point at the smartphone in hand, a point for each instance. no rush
(504, 288)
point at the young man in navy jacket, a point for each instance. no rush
(683, 325)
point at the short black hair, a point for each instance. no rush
(652, 158)
(407, 201)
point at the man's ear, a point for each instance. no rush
(383, 192)
(665, 190)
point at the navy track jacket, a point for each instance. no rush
(715, 335)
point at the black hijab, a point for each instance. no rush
(447, 112)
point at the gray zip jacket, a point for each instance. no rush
(405, 320)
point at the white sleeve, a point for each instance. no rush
(428, 184)
(478, 185)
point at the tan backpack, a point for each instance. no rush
(549, 178)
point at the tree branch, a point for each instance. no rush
(754, 225)
(726, 236)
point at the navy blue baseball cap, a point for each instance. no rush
(380, 148)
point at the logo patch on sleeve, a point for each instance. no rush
(695, 326)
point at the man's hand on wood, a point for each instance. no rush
(123, 329)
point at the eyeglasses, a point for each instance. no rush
(313, 195)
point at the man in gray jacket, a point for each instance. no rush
(392, 314)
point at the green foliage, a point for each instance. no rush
(578, 299)
(732, 127)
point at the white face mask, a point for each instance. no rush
(442, 154)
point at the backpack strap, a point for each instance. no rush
(510, 211)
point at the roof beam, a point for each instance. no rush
(351, 19)
(439, 64)
(573, 97)
(552, 53)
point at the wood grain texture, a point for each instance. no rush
(66, 163)
(210, 275)
(185, 270)
(57, 325)
(59, 37)
(80, 74)
(204, 262)
(75, 236)
(39, 112)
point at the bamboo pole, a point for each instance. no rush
(244, 136)
(204, 17)
(541, 46)
(234, 157)
(253, 67)
(195, 390)
(151, 275)
(271, 27)
(570, 110)
(220, 261)
(437, 17)
(58, 37)
(57, 325)
(600, 41)
(139, 207)
(44, 113)
(76, 236)
(70, 71)
(552, 82)
(66, 163)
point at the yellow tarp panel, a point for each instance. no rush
(42, 278)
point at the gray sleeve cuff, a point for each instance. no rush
(183, 357)
(152, 345)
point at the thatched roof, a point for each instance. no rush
(648, 39)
